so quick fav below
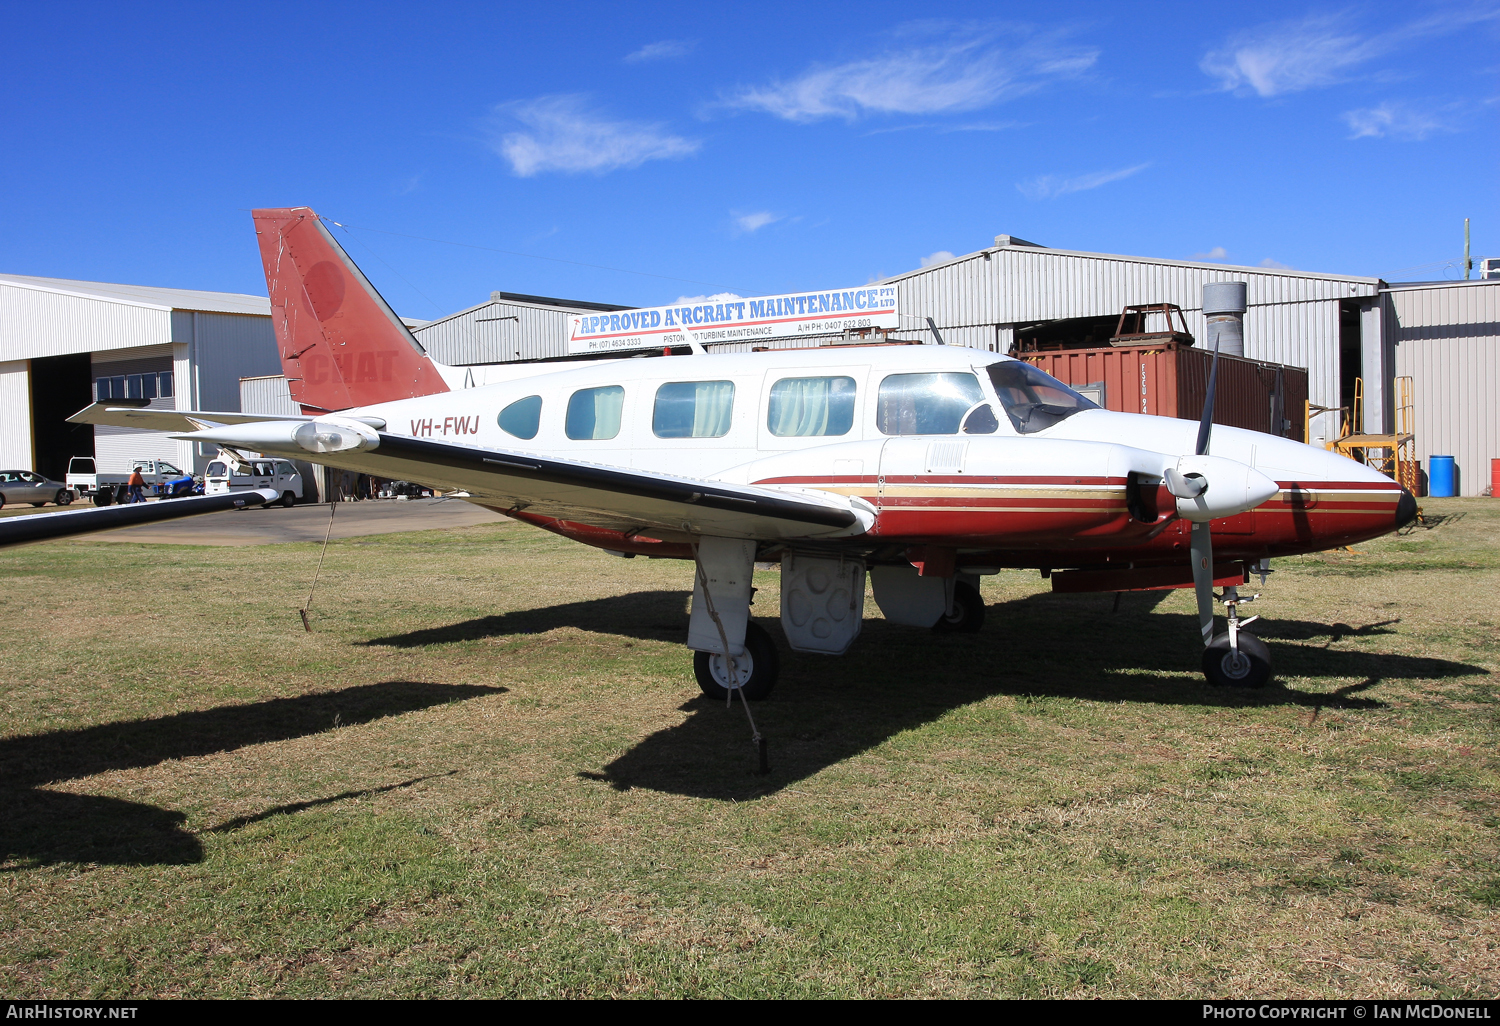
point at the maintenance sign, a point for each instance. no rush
(740, 320)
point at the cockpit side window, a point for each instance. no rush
(1033, 399)
(925, 404)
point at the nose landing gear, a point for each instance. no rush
(1237, 658)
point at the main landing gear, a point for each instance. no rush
(966, 614)
(1237, 658)
(755, 670)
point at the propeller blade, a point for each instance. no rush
(1202, 548)
(1205, 426)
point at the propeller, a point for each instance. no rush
(1201, 545)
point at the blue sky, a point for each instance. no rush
(637, 153)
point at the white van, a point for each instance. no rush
(225, 475)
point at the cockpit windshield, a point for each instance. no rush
(1033, 399)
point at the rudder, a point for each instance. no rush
(341, 344)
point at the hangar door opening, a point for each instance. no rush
(1351, 357)
(60, 387)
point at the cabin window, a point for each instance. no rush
(693, 409)
(926, 404)
(1033, 399)
(594, 413)
(523, 417)
(804, 407)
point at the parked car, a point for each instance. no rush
(25, 486)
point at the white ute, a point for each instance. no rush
(84, 480)
(228, 474)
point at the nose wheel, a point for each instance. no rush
(1236, 658)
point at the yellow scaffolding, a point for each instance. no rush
(1394, 455)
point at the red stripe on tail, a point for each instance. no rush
(341, 343)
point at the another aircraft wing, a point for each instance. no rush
(135, 414)
(586, 493)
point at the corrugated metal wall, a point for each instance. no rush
(211, 353)
(497, 332)
(1448, 339)
(34, 322)
(15, 415)
(270, 394)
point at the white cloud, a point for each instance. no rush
(717, 297)
(966, 70)
(1217, 253)
(662, 50)
(936, 258)
(748, 223)
(564, 135)
(1051, 186)
(1400, 121)
(1276, 265)
(1320, 50)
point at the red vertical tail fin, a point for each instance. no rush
(341, 343)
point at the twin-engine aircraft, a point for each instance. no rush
(921, 466)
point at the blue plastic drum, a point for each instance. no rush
(1441, 477)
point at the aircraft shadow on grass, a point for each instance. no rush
(40, 826)
(896, 678)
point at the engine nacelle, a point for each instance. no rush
(1210, 487)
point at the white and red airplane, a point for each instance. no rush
(923, 466)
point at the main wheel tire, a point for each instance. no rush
(1251, 670)
(63, 497)
(757, 669)
(968, 612)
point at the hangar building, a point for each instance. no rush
(64, 343)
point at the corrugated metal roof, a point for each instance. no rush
(1034, 248)
(146, 295)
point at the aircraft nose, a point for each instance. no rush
(1406, 509)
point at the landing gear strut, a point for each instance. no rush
(1236, 658)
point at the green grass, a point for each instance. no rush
(488, 773)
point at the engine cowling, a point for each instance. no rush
(1210, 487)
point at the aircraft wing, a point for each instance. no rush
(135, 414)
(587, 493)
(41, 526)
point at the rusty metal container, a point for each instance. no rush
(1172, 381)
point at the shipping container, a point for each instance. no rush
(1172, 381)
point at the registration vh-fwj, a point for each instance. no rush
(919, 467)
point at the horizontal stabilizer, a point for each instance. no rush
(41, 526)
(112, 414)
